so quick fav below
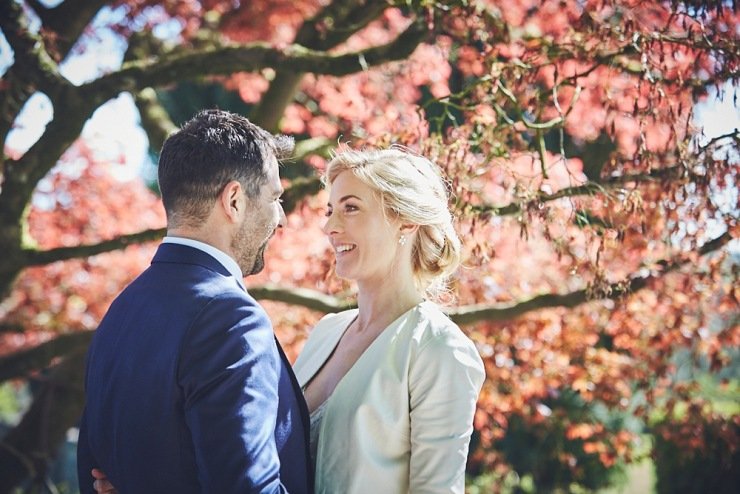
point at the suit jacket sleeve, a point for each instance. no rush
(85, 460)
(229, 370)
(444, 383)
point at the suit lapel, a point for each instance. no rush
(305, 417)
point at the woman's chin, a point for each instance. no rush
(343, 272)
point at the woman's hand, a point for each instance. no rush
(102, 485)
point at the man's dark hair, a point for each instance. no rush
(210, 150)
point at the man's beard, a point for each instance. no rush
(249, 262)
(259, 261)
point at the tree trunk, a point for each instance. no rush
(27, 449)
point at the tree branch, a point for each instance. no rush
(589, 188)
(336, 22)
(32, 70)
(26, 450)
(303, 297)
(10, 328)
(72, 108)
(74, 105)
(227, 59)
(68, 20)
(40, 257)
(302, 187)
(475, 313)
(21, 363)
(735, 136)
(25, 361)
(627, 58)
(155, 120)
(320, 302)
(333, 25)
(312, 146)
(28, 47)
(297, 190)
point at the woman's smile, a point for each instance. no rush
(343, 248)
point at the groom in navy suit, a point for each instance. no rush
(187, 388)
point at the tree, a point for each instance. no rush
(596, 219)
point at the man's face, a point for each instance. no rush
(263, 216)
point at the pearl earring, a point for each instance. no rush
(402, 240)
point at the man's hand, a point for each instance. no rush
(102, 485)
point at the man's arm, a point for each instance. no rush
(229, 370)
(85, 460)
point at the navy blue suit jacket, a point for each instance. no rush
(188, 390)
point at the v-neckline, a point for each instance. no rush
(339, 337)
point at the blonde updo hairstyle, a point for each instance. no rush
(411, 189)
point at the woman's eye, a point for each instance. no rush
(350, 208)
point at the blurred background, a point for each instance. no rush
(591, 148)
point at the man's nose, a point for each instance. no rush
(282, 221)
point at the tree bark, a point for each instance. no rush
(26, 450)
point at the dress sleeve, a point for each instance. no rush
(229, 370)
(444, 383)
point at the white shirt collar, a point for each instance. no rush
(226, 261)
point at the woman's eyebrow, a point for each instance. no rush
(349, 196)
(344, 198)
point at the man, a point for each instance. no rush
(187, 387)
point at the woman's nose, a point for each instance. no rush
(330, 225)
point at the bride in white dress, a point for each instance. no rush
(391, 386)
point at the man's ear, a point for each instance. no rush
(233, 201)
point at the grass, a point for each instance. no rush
(640, 480)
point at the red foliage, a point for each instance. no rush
(79, 202)
(627, 70)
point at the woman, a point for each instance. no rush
(392, 385)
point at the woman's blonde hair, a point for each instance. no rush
(412, 190)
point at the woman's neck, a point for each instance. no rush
(381, 304)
